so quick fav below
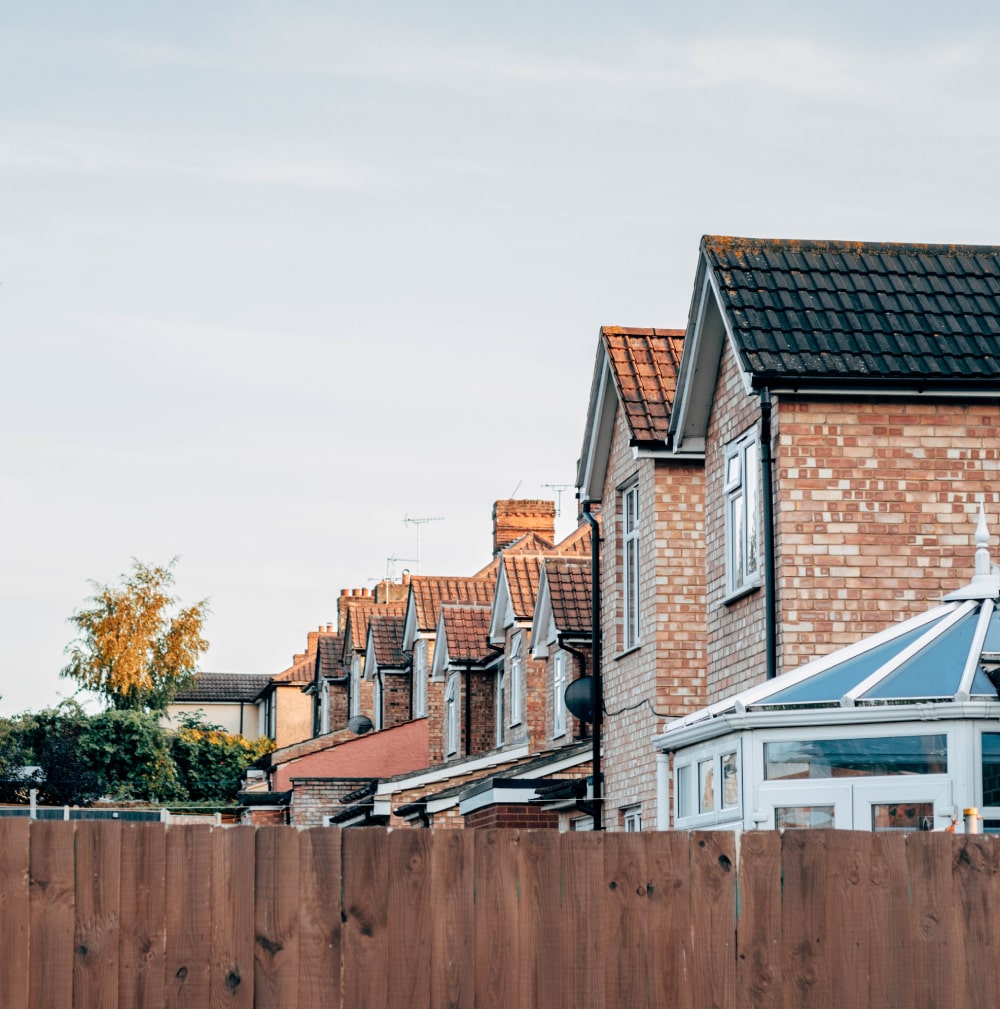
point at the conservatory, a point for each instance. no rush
(899, 731)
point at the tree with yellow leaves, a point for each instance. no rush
(134, 647)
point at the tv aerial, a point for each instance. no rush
(418, 522)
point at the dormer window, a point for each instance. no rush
(559, 693)
(742, 515)
(420, 678)
(515, 678)
(451, 717)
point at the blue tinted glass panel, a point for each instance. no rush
(855, 758)
(981, 685)
(991, 769)
(992, 642)
(935, 671)
(833, 683)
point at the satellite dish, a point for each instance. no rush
(360, 724)
(579, 698)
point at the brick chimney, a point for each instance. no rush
(517, 517)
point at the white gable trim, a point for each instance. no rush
(502, 611)
(543, 628)
(599, 431)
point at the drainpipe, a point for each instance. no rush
(770, 609)
(595, 662)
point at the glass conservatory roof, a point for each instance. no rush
(950, 654)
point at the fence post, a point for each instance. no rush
(33, 803)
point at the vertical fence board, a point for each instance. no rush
(365, 942)
(98, 893)
(453, 856)
(624, 946)
(759, 927)
(15, 910)
(669, 917)
(976, 887)
(582, 940)
(713, 919)
(51, 914)
(319, 918)
(938, 970)
(231, 900)
(888, 910)
(497, 951)
(803, 867)
(142, 912)
(189, 917)
(409, 917)
(276, 918)
(847, 929)
(540, 919)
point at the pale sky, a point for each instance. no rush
(275, 276)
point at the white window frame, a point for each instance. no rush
(500, 692)
(420, 678)
(712, 756)
(742, 497)
(632, 819)
(324, 707)
(559, 694)
(631, 596)
(355, 685)
(451, 716)
(516, 688)
(377, 691)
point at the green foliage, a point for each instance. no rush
(212, 761)
(133, 647)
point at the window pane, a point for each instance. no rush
(991, 768)
(736, 547)
(706, 786)
(750, 505)
(803, 817)
(847, 758)
(902, 816)
(733, 470)
(685, 793)
(730, 782)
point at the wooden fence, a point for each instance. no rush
(144, 915)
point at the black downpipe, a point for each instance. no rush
(770, 609)
(595, 662)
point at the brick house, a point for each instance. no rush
(844, 399)
(387, 667)
(652, 560)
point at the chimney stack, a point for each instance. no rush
(517, 517)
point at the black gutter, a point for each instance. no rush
(770, 609)
(595, 661)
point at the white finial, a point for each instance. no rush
(983, 565)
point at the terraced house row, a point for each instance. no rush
(782, 492)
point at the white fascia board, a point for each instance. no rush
(371, 665)
(439, 660)
(500, 608)
(542, 626)
(745, 376)
(495, 797)
(563, 764)
(444, 773)
(596, 437)
(410, 623)
(692, 344)
(647, 452)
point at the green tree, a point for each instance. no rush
(211, 761)
(134, 646)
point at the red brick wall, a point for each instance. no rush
(523, 817)
(665, 675)
(314, 798)
(395, 699)
(514, 518)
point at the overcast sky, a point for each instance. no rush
(275, 276)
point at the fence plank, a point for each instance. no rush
(365, 940)
(189, 917)
(803, 868)
(232, 903)
(142, 913)
(453, 859)
(409, 917)
(496, 919)
(582, 940)
(847, 927)
(668, 929)
(624, 946)
(938, 972)
(539, 919)
(51, 914)
(276, 918)
(15, 910)
(98, 894)
(319, 918)
(975, 877)
(713, 919)
(759, 928)
(890, 935)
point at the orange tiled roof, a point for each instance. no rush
(430, 592)
(466, 630)
(569, 592)
(644, 363)
(523, 571)
(300, 672)
(387, 637)
(330, 649)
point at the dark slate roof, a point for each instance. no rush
(916, 315)
(224, 688)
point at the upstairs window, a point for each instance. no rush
(559, 693)
(378, 701)
(355, 685)
(630, 567)
(501, 692)
(451, 717)
(515, 678)
(420, 678)
(742, 515)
